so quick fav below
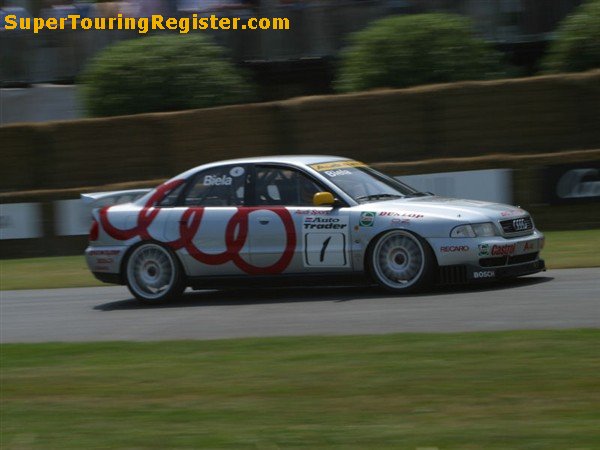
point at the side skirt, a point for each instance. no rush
(300, 280)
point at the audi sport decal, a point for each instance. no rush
(314, 212)
(236, 233)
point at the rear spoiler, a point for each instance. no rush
(100, 199)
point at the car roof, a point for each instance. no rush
(297, 160)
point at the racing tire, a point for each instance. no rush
(153, 274)
(401, 262)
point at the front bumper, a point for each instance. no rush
(476, 273)
(470, 273)
(486, 259)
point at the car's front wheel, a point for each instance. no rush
(153, 274)
(401, 262)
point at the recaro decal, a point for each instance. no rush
(236, 233)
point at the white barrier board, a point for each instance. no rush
(21, 221)
(494, 185)
(72, 218)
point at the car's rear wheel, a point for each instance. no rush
(153, 274)
(401, 262)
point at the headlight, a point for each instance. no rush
(475, 230)
(463, 231)
(484, 229)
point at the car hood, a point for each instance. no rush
(448, 208)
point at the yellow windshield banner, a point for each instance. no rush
(336, 165)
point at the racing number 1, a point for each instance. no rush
(324, 248)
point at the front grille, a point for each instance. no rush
(520, 225)
(453, 274)
(499, 261)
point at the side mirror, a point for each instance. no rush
(323, 199)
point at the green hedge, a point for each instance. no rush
(411, 50)
(577, 43)
(162, 73)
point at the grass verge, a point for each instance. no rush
(506, 390)
(564, 249)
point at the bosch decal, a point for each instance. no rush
(484, 274)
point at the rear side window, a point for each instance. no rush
(171, 198)
(219, 186)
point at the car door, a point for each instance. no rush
(284, 214)
(203, 226)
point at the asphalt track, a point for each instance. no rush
(552, 300)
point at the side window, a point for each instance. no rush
(219, 186)
(283, 186)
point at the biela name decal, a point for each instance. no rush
(484, 274)
(212, 180)
(323, 223)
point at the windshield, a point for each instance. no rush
(362, 183)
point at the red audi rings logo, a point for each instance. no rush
(236, 233)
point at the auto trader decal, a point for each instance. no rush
(236, 233)
(325, 241)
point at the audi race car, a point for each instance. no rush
(325, 218)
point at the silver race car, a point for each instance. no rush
(313, 219)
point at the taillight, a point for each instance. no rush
(94, 231)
